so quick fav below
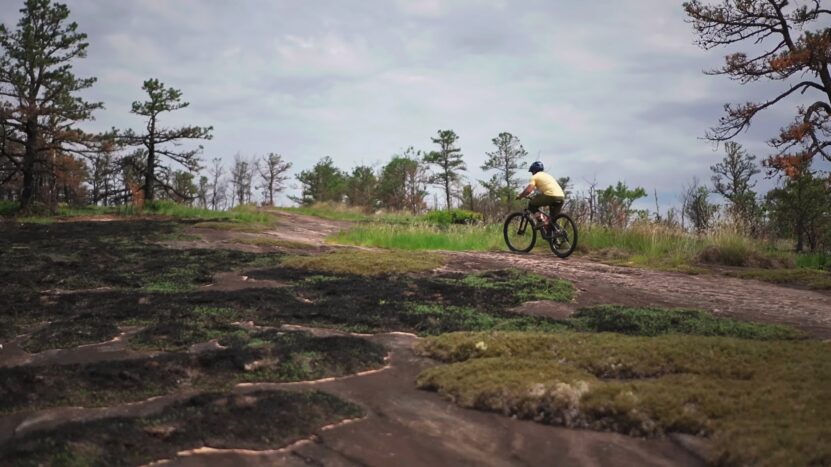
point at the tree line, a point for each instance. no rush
(47, 159)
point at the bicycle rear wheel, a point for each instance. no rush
(564, 238)
(519, 232)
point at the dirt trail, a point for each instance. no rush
(305, 229)
(598, 283)
(738, 298)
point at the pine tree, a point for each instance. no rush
(159, 142)
(448, 160)
(506, 160)
(39, 102)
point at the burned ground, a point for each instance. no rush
(258, 420)
(124, 254)
(261, 356)
(74, 284)
(190, 320)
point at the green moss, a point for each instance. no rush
(436, 319)
(761, 402)
(524, 285)
(816, 279)
(366, 263)
(233, 226)
(656, 321)
(274, 242)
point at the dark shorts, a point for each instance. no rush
(555, 203)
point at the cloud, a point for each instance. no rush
(611, 89)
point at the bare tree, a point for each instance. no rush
(592, 199)
(202, 192)
(784, 49)
(697, 206)
(274, 173)
(103, 168)
(217, 183)
(242, 176)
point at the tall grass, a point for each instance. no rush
(640, 244)
(655, 245)
(332, 211)
(422, 236)
(245, 214)
(342, 212)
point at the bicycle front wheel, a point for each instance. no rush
(564, 238)
(519, 232)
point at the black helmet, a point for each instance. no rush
(536, 167)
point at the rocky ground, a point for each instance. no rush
(133, 342)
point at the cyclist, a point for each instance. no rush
(546, 192)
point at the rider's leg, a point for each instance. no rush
(539, 201)
(535, 203)
(556, 207)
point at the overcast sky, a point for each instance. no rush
(605, 89)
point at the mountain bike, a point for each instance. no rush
(521, 229)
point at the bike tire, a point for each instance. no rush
(569, 229)
(518, 226)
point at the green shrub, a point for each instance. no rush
(453, 216)
(814, 261)
(7, 208)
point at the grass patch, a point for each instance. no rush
(761, 402)
(342, 212)
(274, 242)
(424, 236)
(245, 214)
(431, 319)
(801, 277)
(452, 216)
(655, 322)
(330, 211)
(256, 421)
(366, 263)
(525, 286)
(814, 261)
(232, 226)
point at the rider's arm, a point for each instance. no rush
(527, 191)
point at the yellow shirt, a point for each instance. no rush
(547, 185)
